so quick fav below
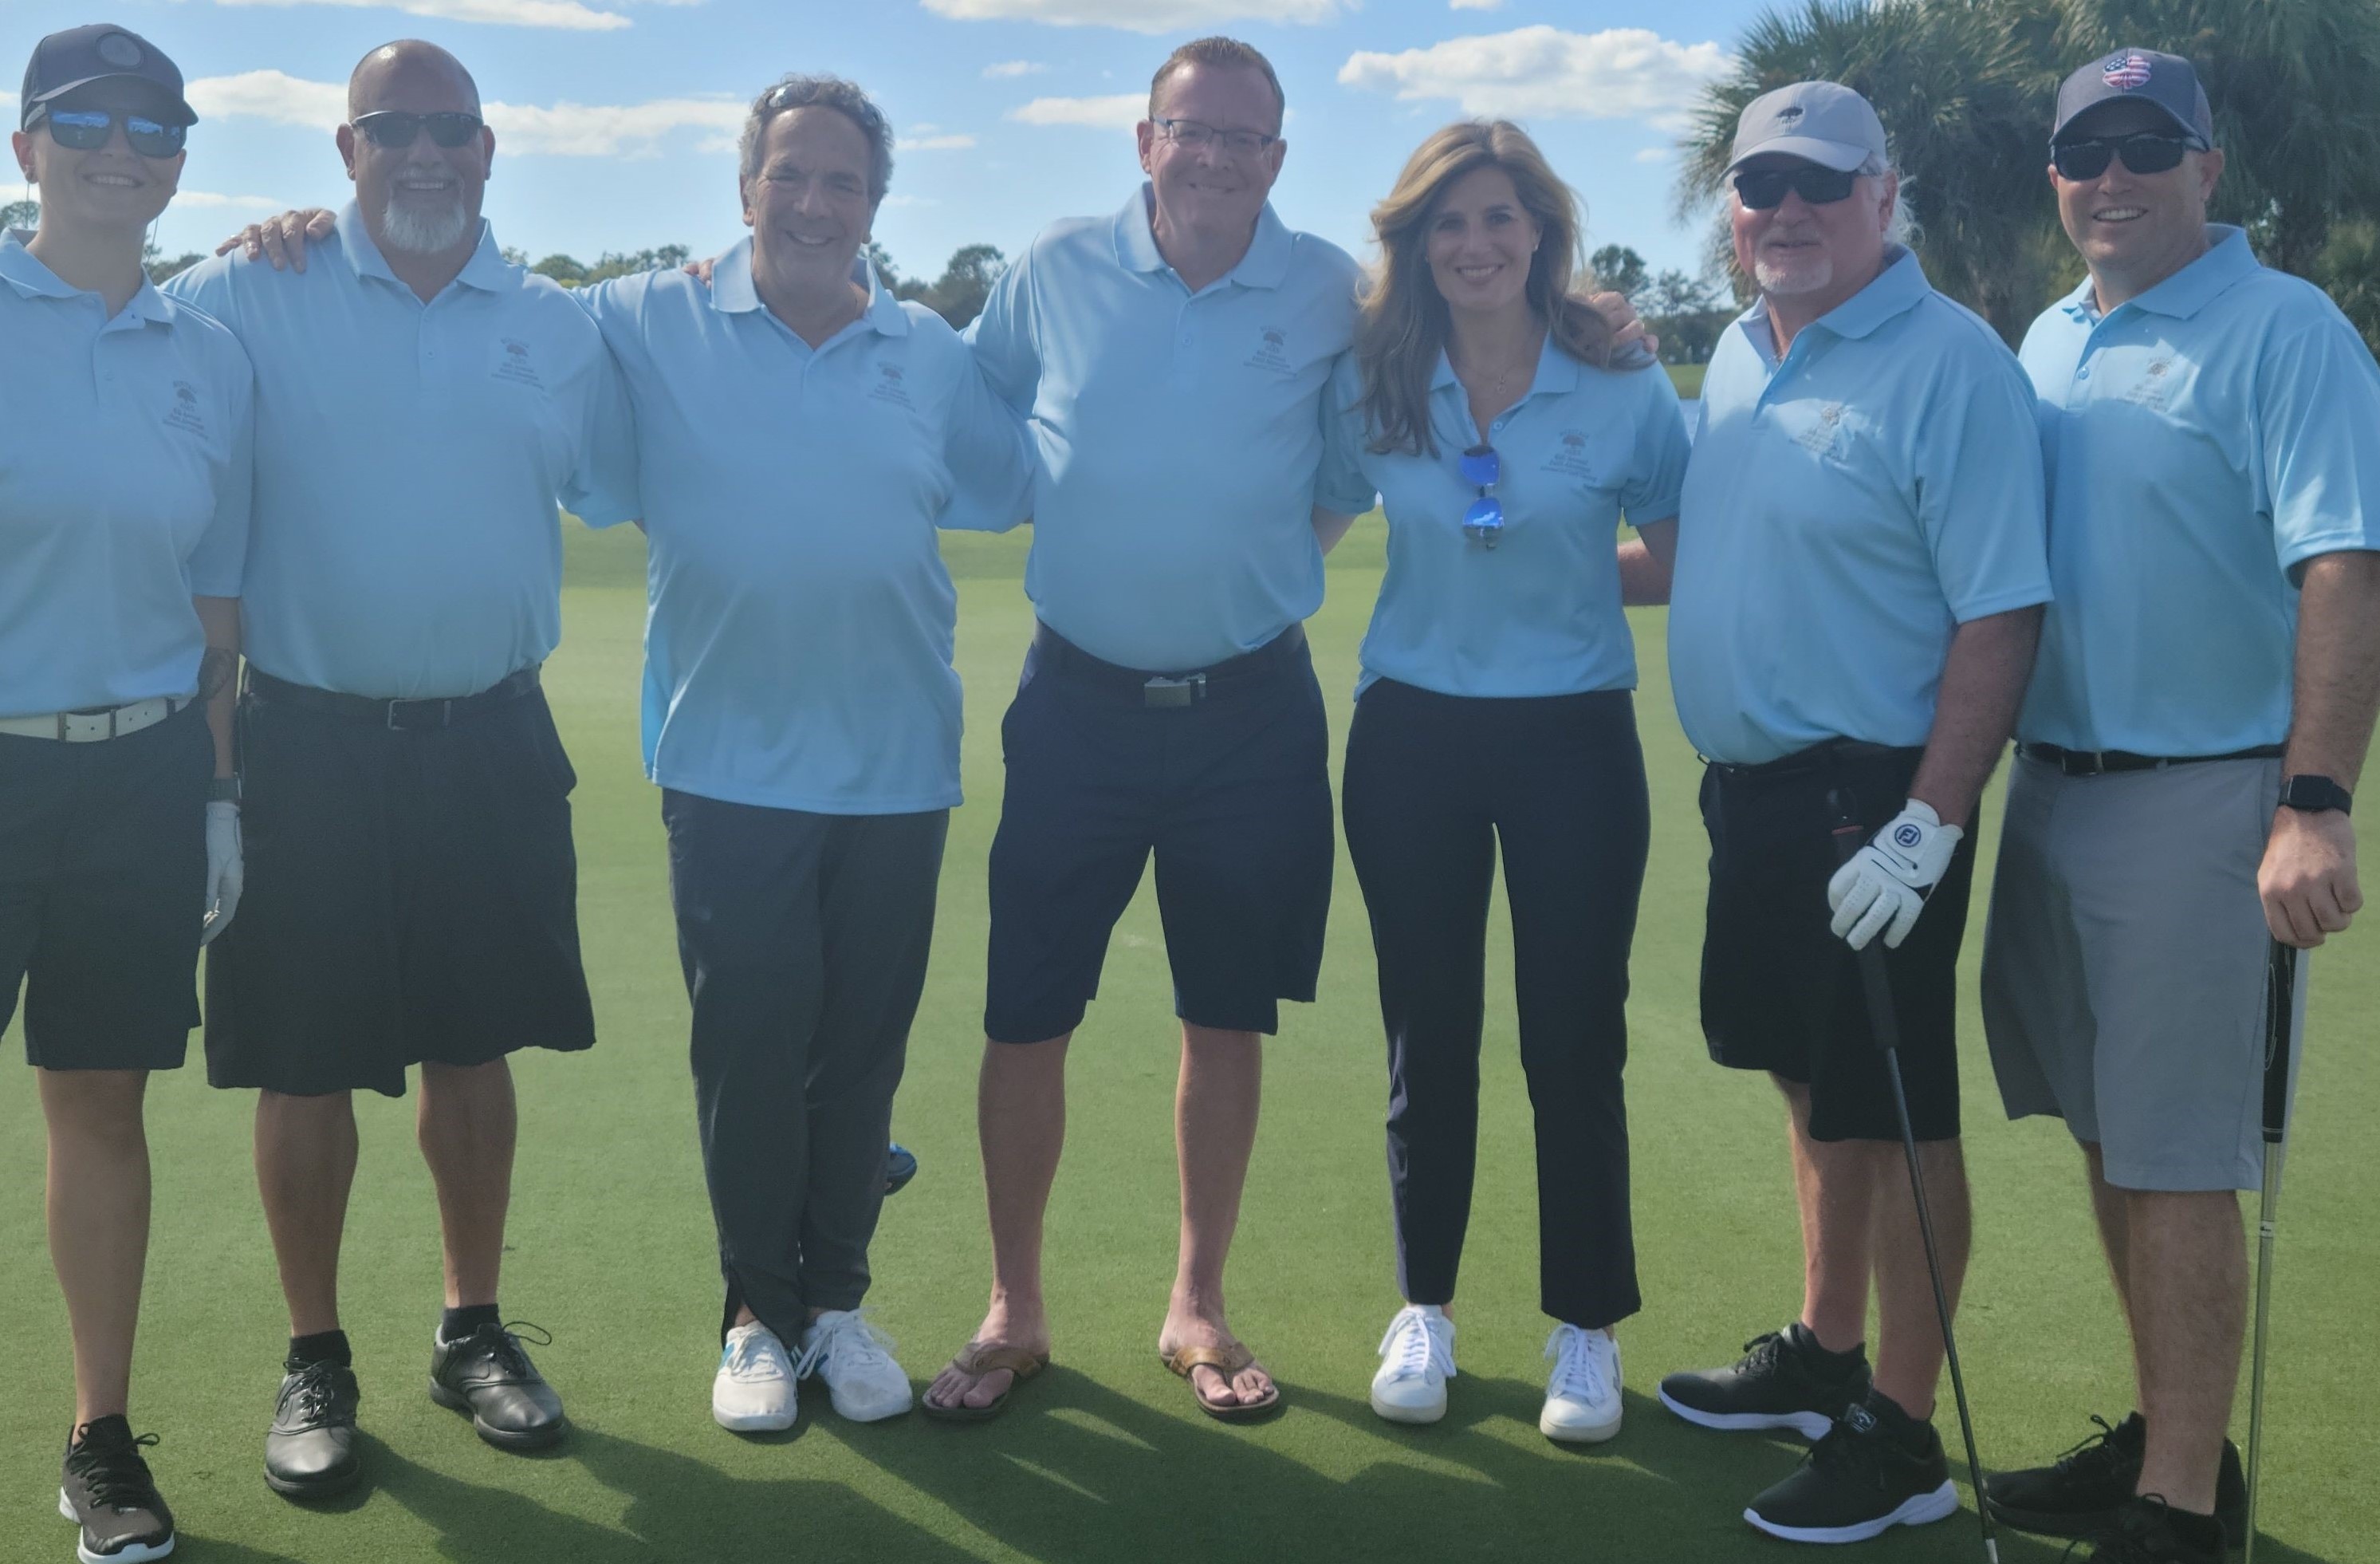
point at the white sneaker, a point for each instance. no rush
(1583, 1392)
(856, 1361)
(753, 1391)
(1417, 1360)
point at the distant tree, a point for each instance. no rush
(1674, 293)
(959, 293)
(153, 262)
(1687, 313)
(882, 259)
(20, 214)
(564, 269)
(515, 254)
(1618, 268)
(2349, 269)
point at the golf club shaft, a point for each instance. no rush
(2280, 1013)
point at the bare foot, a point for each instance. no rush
(1007, 1324)
(1187, 1325)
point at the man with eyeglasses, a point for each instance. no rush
(421, 403)
(1860, 574)
(2202, 704)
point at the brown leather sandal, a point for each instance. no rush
(982, 1358)
(1227, 1361)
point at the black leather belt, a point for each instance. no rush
(435, 712)
(1056, 654)
(2100, 763)
(1817, 757)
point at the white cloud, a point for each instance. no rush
(246, 202)
(946, 141)
(1140, 15)
(6, 98)
(562, 129)
(910, 200)
(1652, 154)
(1002, 71)
(1124, 109)
(1621, 73)
(565, 14)
(1475, 4)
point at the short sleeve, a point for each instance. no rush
(602, 491)
(1003, 337)
(220, 561)
(1979, 489)
(1656, 475)
(1341, 485)
(2317, 452)
(989, 456)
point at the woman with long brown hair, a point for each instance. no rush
(1485, 402)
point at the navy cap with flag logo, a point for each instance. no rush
(2164, 81)
(101, 51)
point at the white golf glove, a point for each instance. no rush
(226, 873)
(1883, 887)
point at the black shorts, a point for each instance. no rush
(1229, 789)
(104, 892)
(1779, 991)
(412, 896)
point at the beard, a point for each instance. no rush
(407, 225)
(1789, 278)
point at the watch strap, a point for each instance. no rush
(2313, 792)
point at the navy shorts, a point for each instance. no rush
(1780, 992)
(412, 896)
(104, 892)
(1226, 781)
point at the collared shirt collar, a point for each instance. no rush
(1895, 290)
(2182, 295)
(1557, 372)
(486, 270)
(1265, 265)
(734, 292)
(25, 273)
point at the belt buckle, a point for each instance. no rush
(2091, 762)
(445, 714)
(1187, 691)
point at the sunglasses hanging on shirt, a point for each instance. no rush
(1483, 521)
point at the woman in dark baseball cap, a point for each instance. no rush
(125, 457)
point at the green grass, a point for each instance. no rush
(1105, 1458)
(1688, 378)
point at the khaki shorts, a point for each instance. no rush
(2125, 961)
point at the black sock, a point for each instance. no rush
(322, 1347)
(1833, 1364)
(1911, 1433)
(456, 1324)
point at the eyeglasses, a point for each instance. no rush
(87, 130)
(1196, 135)
(391, 131)
(1761, 190)
(2144, 151)
(1483, 521)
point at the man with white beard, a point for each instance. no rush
(422, 405)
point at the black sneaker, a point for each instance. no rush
(2145, 1532)
(108, 1491)
(1783, 1380)
(488, 1375)
(309, 1451)
(1860, 1480)
(899, 1166)
(2080, 1492)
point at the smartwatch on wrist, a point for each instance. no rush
(224, 790)
(2313, 794)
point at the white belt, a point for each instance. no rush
(89, 728)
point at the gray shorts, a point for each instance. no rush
(2124, 966)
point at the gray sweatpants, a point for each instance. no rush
(804, 940)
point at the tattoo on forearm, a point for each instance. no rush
(216, 670)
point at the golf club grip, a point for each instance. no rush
(2280, 1015)
(1884, 1022)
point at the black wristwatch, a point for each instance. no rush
(223, 789)
(2313, 794)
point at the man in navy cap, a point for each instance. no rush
(2205, 695)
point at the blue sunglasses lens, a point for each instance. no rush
(1485, 518)
(1480, 467)
(86, 130)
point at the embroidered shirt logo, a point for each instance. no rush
(1569, 456)
(2156, 385)
(184, 413)
(514, 362)
(1824, 433)
(889, 386)
(1272, 351)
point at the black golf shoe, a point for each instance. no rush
(1876, 1468)
(899, 1166)
(105, 1489)
(488, 1375)
(2144, 1530)
(2079, 1493)
(1784, 1380)
(309, 1452)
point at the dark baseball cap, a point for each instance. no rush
(102, 52)
(2164, 81)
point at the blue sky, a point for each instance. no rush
(614, 118)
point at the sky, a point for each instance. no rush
(615, 119)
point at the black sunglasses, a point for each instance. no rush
(393, 132)
(1763, 189)
(2143, 152)
(87, 130)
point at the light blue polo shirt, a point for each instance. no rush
(2205, 440)
(797, 653)
(409, 458)
(1539, 614)
(125, 451)
(1847, 508)
(1178, 437)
